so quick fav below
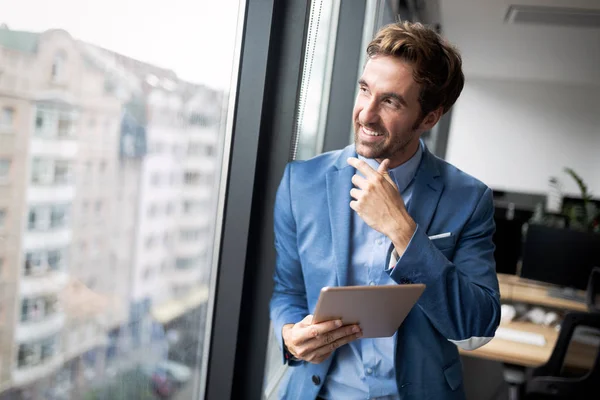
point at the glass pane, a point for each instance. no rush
(316, 78)
(112, 129)
(311, 114)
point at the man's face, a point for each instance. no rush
(387, 114)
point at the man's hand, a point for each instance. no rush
(314, 343)
(379, 204)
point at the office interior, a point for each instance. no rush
(527, 124)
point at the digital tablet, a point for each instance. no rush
(379, 310)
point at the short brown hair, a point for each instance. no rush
(437, 64)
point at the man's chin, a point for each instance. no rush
(367, 151)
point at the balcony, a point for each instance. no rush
(64, 148)
(52, 238)
(51, 193)
(25, 375)
(46, 283)
(32, 330)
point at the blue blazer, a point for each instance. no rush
(460, 306)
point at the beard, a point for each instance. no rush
(391, 146)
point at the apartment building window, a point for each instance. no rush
(59, 216)
(196, 206)
(42, 261)
(59, 66)
(35, 353)
(197, 178)
(209, 150)
(62, 171)
(48, 171)
(4, 169)
(147, 273)
(56, 260)
(7, 117)
(48, 217)
(66, 125)
(188, 235)
(186, 262)
(36, 309)
(55, 122)
(98, 207)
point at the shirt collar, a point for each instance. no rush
(403, 174)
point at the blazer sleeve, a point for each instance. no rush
(288, 302)
(461, 298)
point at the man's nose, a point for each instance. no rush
(370, 113)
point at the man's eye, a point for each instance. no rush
(362, 89)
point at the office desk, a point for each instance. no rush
(515, 289)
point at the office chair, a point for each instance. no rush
(593, 291)
(545, 381)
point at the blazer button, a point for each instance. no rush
(316, 380)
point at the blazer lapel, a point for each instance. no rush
(339, 183)
(427, 191)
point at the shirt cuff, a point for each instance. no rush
(394, 257)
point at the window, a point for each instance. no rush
(55, 122)
(197, 178)
(4, 169)
(78, 169)
(7, 117)
(189, 235)
(55, 260)
(51, 172)
(48, 217)
(59, 216)
(186, 263)
(36, 353)
(65, 126)
(2, 218)
(62, 172)
(34, 263)
(36, 309)
(193, 207)
(59, 66)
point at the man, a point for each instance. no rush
(386, 211)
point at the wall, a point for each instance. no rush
(513, 135)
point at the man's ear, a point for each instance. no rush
(431, 119)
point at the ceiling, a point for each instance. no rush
(493, 49)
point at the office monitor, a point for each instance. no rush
(562, 257)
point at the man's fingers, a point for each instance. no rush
(384, 171)
(307, 320)
(363, 167)
(330, 347)
(310, 332)
(359, 181)
(356, 194)
(329, 337)
(383, 167)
